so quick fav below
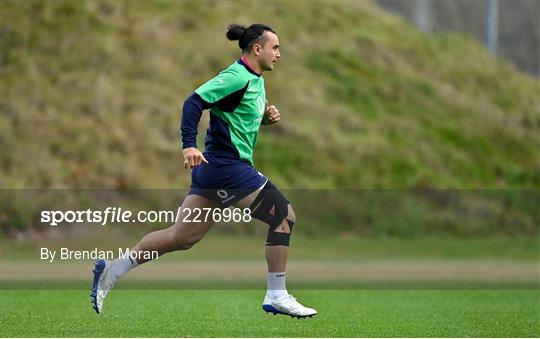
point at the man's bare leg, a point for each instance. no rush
(180, 236)
(277, 300)
(276, 256)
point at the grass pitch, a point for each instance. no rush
(235, 313)
(155, 304)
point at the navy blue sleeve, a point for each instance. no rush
(191, 115)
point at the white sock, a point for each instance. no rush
(122, 265)
(276, 285)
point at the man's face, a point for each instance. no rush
(268, 52)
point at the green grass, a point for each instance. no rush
(366, 99)
(336, 284)
(233, 313)
(231, 308)
(217, 246)
(378, 105)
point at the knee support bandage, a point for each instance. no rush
(272, 208)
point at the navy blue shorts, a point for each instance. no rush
(225, 181)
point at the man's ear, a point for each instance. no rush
(257, 49)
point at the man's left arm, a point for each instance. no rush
(271, 115)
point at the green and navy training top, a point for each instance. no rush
(236, 99)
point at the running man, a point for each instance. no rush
(224, 174)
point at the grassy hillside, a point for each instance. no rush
(91, 97)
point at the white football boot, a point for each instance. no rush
(102, 284)
(287, 305)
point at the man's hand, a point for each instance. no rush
(193, 157)
(271, 115)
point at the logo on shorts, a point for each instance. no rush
(225, 197)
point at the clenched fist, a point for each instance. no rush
(271, 115)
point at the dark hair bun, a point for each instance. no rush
(235, 32)
(247, 36)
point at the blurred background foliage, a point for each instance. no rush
(92, 94)
(516, 37)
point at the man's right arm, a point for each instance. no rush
(213, 92)
(191, 115)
